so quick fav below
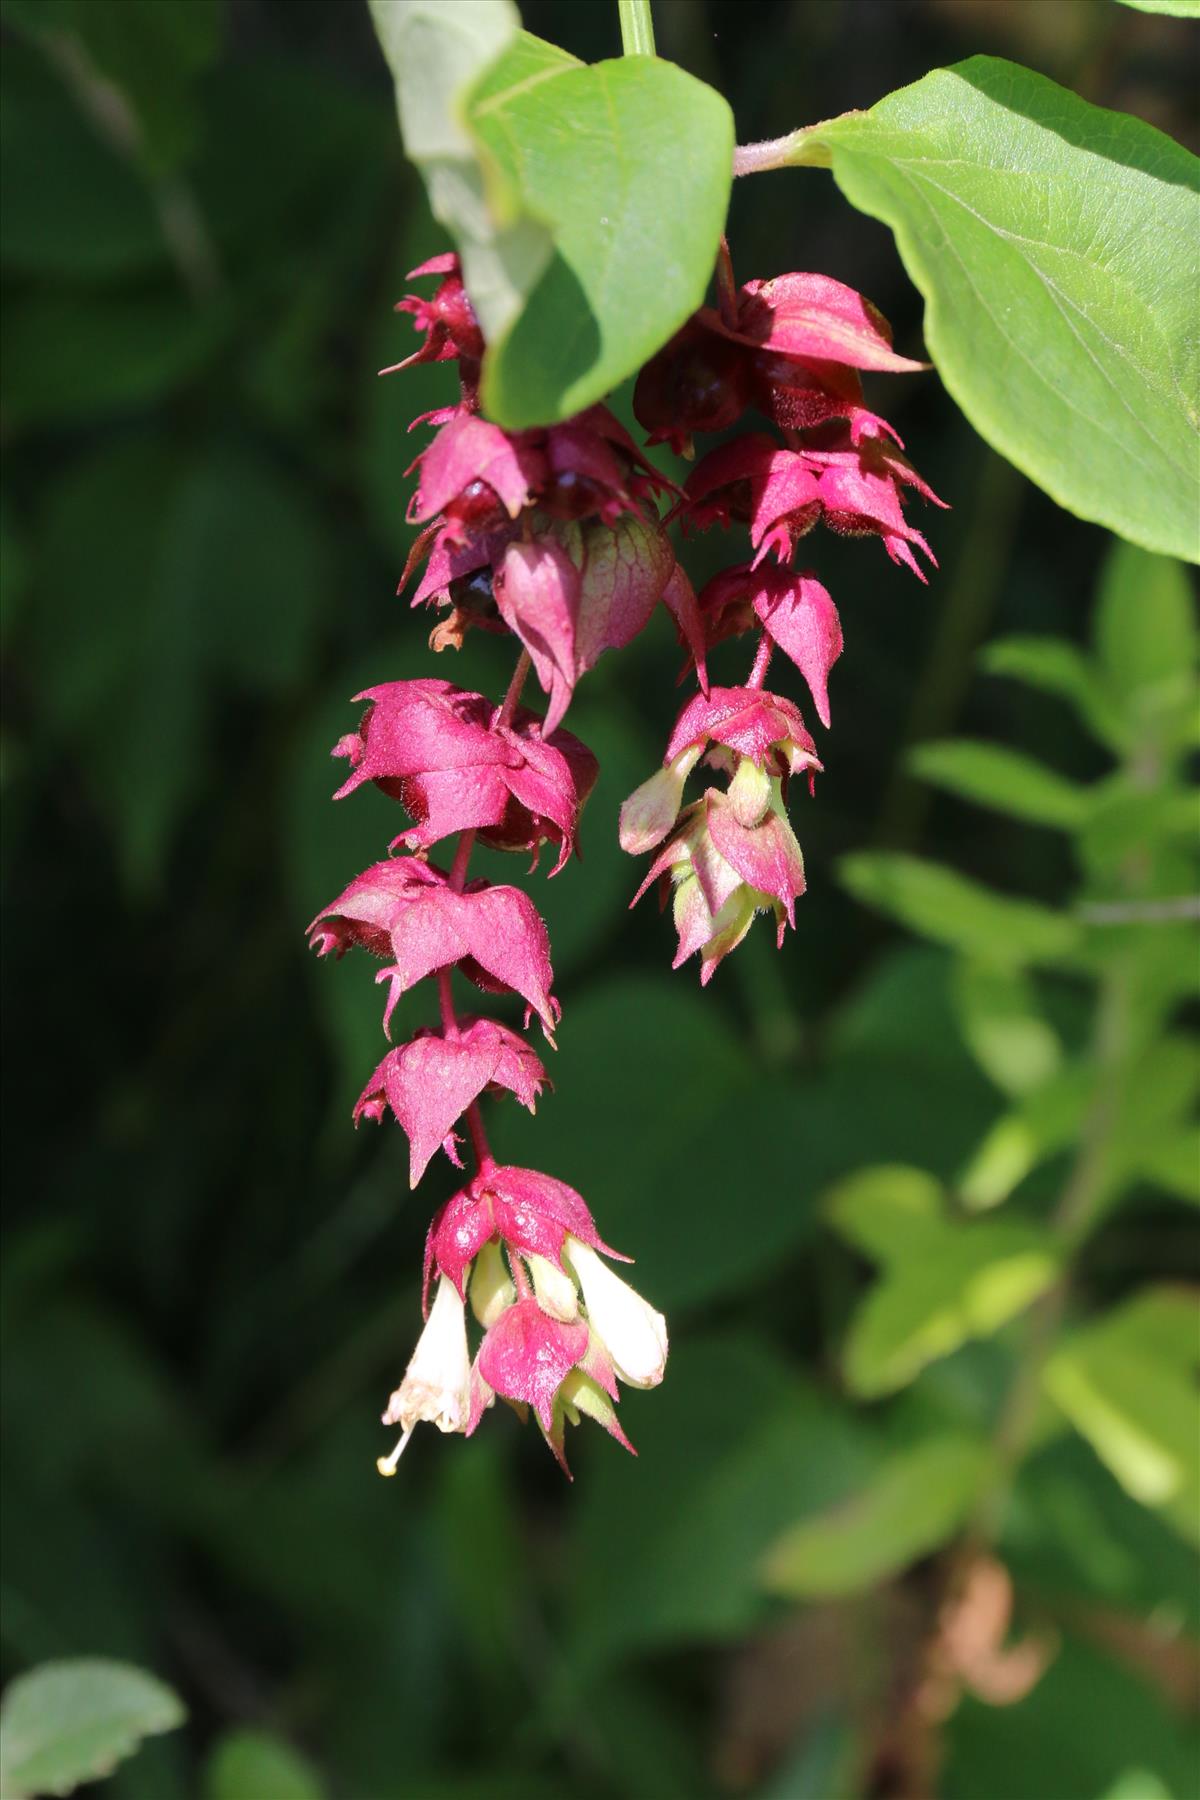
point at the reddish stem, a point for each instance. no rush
(479, 1141)
(508, 705)
(726, 286)
(462, 856)
(446, 1001)
(762, 659)
(458, 878)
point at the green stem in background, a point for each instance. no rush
(1082, 1196)
(637, 27)
(180, 218)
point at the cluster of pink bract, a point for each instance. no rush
(554, 536)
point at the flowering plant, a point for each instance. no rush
(554, 536)
(540, 517)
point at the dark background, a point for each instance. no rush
(211, 1283)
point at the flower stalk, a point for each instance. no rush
(637, 27)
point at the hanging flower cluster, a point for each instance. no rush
(553, 536)
(790, 349)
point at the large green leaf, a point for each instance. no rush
(629, 164)
(69, 1722)
(1055, 245)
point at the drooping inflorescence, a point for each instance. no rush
(554, 536)
(790, 349)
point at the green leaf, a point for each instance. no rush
(1145, 626)
(73, 1721)
(944, 1280)
(1047, 1120)
(1059, 668)
(1003, 779)
(1173, 1163)
(1128, 1384)
(436, 53)
(1139, 1784)
(1175, 9)
(1052, 241)
(629, 164)
(912, 1504)
(1146, 643)
(586, 203)
(877, 1209)
(946, 906)
(257, 1765)
(998, 1012)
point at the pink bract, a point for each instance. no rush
(448, 319)
(430, 1082)
(578, 590)
(750, 722)
(437, 749)
(813, 318)
(406, 907)
(529, 1211)
(526, 1356)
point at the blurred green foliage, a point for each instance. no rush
(918, 1194)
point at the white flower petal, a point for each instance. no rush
(633, 1333)
(435, 1382)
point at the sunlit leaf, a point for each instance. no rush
(1062, 669)
(436, 52)
(1001, 1021)
(1176, 9)
(941, 904)
(1059, 323)
(1006, 780)
(629, 164)
(943, 1280)
(1128, 1383)
(73, 1721)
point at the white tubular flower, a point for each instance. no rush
(632, 1332)
(556, 1292)
(491, 1290)
(652, 809)
(435, 1382)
